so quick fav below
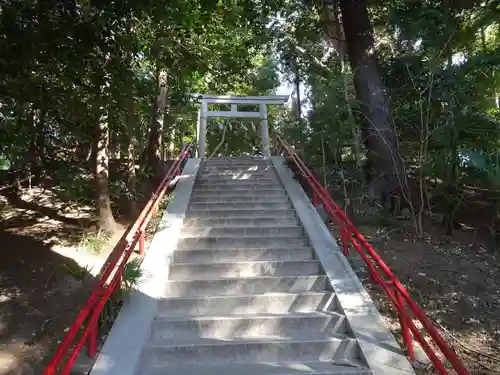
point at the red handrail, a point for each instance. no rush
(108, 281)
(406, 307)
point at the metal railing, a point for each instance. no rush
(406, 308)
(85, 327)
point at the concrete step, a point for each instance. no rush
(237, 188)
(239, 193)
(236, 159)
(294, 367)
(261, 349)
(219, 270)
(236, 222)
(249, 199)
(214, 206)
(270, 303)
(255, 167)
(230, 231)
(221, 243)
(254, 171)
(247, 285)
(236, 166)
(240, 183)
(248, 254)
(230, 175)
(248, 326)
(234, 162)
(239, 157)
(269, 177)
(241, 213)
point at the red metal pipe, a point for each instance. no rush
(432, 331)
(92, 341)
(336, 212)
(116, 260)
(405, 330)
(93, 321)
(142, 245)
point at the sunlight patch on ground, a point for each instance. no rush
(8, 362)
(7, 295)
(49, 199)
(45, 199)
(53, 232)
(84, 259)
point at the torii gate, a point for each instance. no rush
(234, 101)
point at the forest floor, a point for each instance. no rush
(44, 260)
(455, 279)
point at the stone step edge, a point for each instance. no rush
(239, 226)
(305, 248)
(239, 237)
(332, 367)
(241, 262)
(271, 294)
(252, 278)
(314, 338)
(288, 210)
(290, 315)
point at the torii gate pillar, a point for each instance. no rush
(234, 101)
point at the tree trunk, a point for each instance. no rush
(131, 175)
(335, 33)
(297, 91)
(36, 149)
(452, 199)
(39, 136)
(387, 176)
(106, 221)
(155, 129)
(171, 145)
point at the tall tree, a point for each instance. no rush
(386, 170)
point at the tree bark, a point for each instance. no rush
(336, 30)
(36, 149)
(155, 129)
(106, 221)
(387, 176)
(131, 175)
(297, 91)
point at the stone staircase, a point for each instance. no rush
(246, 294)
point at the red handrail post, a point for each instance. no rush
(142, 245)
(85, 328)
(92, 337)
(405, 329)
(382, 275)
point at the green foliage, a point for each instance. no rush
(79, 273)
(132, 274)
(95, 242)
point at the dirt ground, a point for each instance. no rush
(456, 280)
(42, 258)
(39, 296)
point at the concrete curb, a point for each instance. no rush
(122, 350)
(379, 348)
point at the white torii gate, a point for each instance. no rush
(234, 101)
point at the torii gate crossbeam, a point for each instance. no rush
(234, 101)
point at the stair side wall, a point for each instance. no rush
(122, 350)
(379, 347)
